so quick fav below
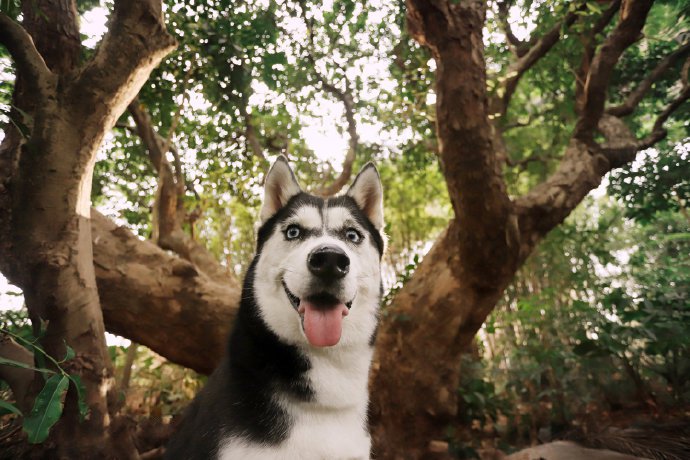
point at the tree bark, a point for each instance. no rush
(160, 300)
(48, 205)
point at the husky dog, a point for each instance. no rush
(294, 382)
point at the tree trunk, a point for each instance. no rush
(415, 378)
(50, 253)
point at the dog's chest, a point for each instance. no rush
(331, 426)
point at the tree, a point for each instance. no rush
(489, 127)
(66, 107)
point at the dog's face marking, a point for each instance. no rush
(321, 258)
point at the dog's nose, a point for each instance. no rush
(329, 263)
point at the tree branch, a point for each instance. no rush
(160, 300)
(622, 146)
(530, 57)
(349, 105)
(135, 43)
(590, 42)
(169, 208)
(344, 96)
(29, 62)
(522, 164)
(581, 169)
(250, 133)
(518, 46)
(550, 202)
(634, 98)
(633, 15)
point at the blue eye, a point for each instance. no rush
(353, 235)
(292, 232)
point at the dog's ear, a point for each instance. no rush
(280, 186)
(368, 194)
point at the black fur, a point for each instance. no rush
(237, 400)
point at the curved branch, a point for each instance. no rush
(632, 18)
(518, 46)
(349, 106)
(530, 57)
(169, 208)
(348, 102)
(590, 41)
(29, 62)
(581, 170)
(658, 131)
(634, 98)
(135, 43)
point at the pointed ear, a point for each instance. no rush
(280, 185)
(368, 194)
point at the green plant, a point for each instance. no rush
(49, 402)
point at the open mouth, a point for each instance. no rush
(321, 316)
(322, 299)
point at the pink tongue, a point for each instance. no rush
(323, 326)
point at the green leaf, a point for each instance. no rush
(69, 353)
(81, 396)
(13, 363)
(47, 409)
(9, 408)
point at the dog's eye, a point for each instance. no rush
(353, 235)
(292, 232)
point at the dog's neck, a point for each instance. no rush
(339, 376)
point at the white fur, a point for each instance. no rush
(285, 260)
(332, 427)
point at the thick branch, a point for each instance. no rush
(135, 43)
(583, 166)
(29, 62)
(633, 15)
(466, 137)
(160, 300)
(634, 98)
(550, 202)
(622, 146)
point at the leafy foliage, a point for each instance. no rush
(657, 182)
(49, 402)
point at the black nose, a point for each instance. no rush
(329, 263)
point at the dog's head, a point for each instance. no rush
(317, 277)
